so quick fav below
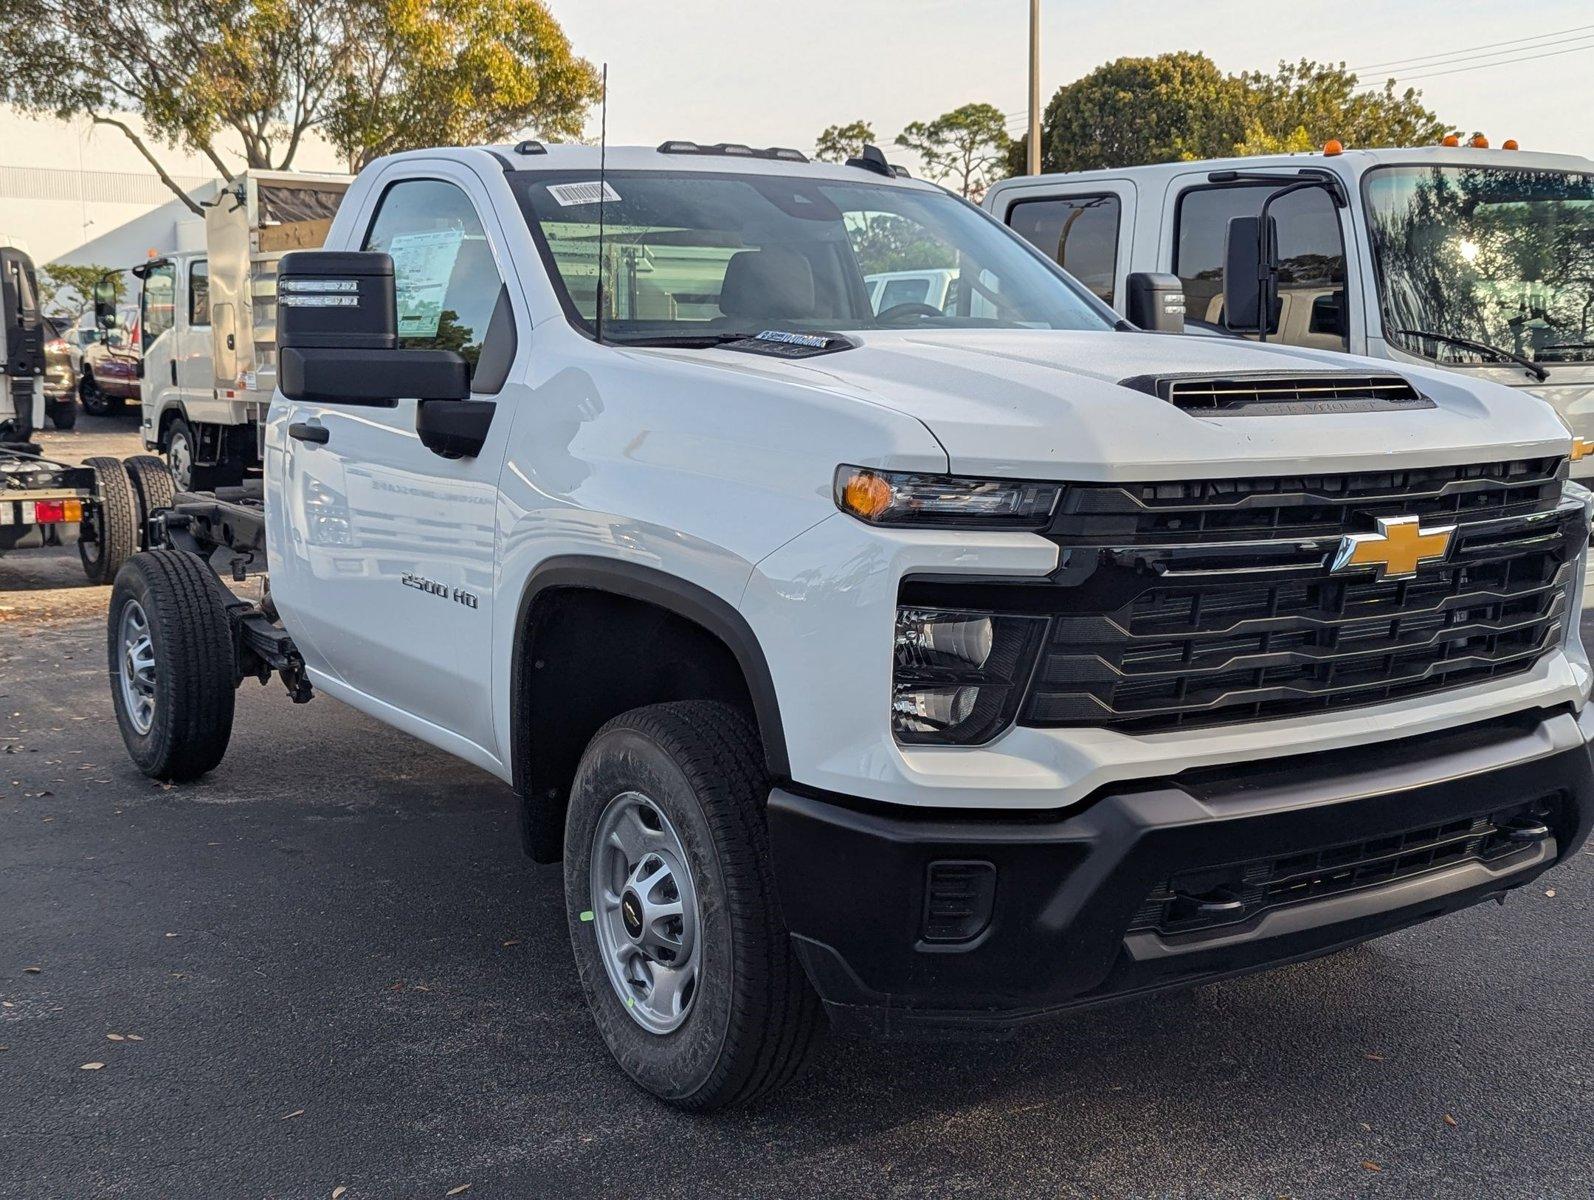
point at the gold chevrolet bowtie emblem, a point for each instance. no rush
(1582, 448)
(1399, 547)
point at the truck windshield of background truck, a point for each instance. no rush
(1501, 256)
(699, 258)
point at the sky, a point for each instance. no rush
(768, 74)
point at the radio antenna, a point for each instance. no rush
(603, 194)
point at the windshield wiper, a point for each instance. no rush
(1527, 364)
(685, 341)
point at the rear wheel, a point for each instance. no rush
(172, 665)
(152, 483)
(63, 414)
(110, 534)
(686, 964)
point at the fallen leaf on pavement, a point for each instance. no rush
(92, 1067)
(1369, 1165)
(1550, 893)
(1371, 1057)
(512, 942)
(1450, 1121)
(338, 1191)
(133, 1037)
(114, 1037)
(459, 1191)
(32, 970)
(298, 1112)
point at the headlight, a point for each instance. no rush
(943, 501)
(959, 676)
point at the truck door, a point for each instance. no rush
(195, 378)
(1316, 278)
(158, 336)
(1085, 229)
(387, 564)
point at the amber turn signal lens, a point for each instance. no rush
(1510, 144)
(1332, 147)
(865, 494)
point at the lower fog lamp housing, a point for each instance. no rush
(959, 676)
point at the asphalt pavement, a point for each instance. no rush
(327, 966)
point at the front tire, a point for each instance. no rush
(668, 875)
(172, 665)
(94, 399)
(64, 415)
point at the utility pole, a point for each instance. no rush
(1034, 164)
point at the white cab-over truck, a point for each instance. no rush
(1477, 260)
(928, 668)
(207, 323)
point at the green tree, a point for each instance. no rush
(967, 146)
(1143, 110)
(1301, 105)
(455, 72)
(838, 143)
(1180, 106)
(191, 71)
(69, 287)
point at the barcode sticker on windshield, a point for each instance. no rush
(569, 194)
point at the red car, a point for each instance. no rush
(110, 371)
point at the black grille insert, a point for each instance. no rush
(1217, 899)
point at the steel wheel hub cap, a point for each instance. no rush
(137, 667)
(645, 912)
(181, 461)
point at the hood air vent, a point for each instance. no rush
(1276, 395)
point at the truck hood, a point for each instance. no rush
(1047, 404)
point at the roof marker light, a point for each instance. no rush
(1450, 139)
(1510, 144)
(1332, 147)
(1479, 142)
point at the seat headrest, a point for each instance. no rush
(774, 282)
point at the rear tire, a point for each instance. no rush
(750, 1018)
(106, 541)
(152, 483)
(64, 415)
(172, 665)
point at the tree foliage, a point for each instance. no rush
(838, 143)
(1180, 106)
(455, 72)
(243, 82)
(966, 148)
(68, 288)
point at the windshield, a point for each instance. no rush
(710, 256)
(1501, 256)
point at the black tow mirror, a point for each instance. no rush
(1156, 302)
(337, 335)
(105, 290)
(1250, 276)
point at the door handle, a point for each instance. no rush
(301, 431)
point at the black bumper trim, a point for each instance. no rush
(852, 874)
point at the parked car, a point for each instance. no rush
(929, 671)
(60, 380)
(109, 376)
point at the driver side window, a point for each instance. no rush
(445, 277)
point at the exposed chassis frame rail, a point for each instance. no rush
(225, 524)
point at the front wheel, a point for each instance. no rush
(94, 399)
(172, 665)
(686, 963)
(63, 415)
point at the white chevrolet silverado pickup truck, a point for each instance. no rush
(921, 669)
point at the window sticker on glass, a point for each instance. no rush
(569, 194)
(423, 263)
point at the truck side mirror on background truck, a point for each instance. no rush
(1250, 276)
(1156, 302)
(105, 290)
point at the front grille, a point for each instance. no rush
(1209, 603)
(1222, 898)
(1282, 394)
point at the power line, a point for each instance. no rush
(1503, 55)
(1504, 62)
(1407, 62)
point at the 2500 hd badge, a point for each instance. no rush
(432, 588)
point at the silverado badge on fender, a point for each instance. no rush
(1399, 547)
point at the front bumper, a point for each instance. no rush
(1322, 851)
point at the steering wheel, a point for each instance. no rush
(910, 308)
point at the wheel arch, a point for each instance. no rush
(542, 784)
